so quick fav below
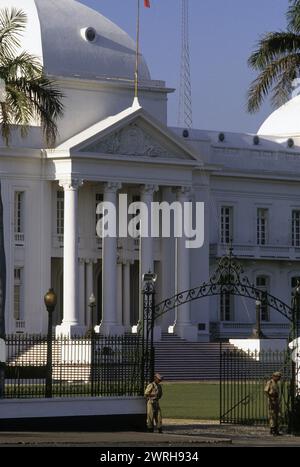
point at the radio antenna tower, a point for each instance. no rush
(185, 114)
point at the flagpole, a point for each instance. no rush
(136, 75)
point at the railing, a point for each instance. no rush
(83, 366)
(256, 251)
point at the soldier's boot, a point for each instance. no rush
(272, 431)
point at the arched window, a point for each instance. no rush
(263, 283)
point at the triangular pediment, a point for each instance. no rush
(131, 133)
(134, 140)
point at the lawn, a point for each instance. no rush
(191, 400)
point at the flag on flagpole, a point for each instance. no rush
(147, 3)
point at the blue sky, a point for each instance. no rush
(222, 35)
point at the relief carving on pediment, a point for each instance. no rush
(130, 141)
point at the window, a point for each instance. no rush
(19, 216)
(296, 228)
(226, 306)
(18, 294)
(226, 224)
(262, 283)
(262, 226)
(60, 207)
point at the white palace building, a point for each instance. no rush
(111, 144)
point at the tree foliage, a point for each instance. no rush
(277, 61)
(28, 95)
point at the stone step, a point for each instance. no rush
(178, 359)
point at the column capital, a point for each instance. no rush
(183, 191)
(91, 261)
(112, 187)
(148, 189)
(70, 184)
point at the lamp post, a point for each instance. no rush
(50, 300)
(149, 280)
(257, 332)
(92, 304)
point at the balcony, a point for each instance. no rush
(256, 251)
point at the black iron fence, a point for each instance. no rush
(243, 376)
(84, 366)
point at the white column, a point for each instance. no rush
(89, 291)
(70, 324)
(183, 326)
(126, 295)
(120, 293)
(167, 266)
(146, 243)
(147, 249)
(109, 323)
(200, 256)
(147, 263)
(82, 304)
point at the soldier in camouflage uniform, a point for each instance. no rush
(153, 393)
(272, 392)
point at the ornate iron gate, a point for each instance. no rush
(243, 376)
(229, 278)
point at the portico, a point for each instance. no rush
(156, 162)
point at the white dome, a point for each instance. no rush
(285, 121)
(55, 33)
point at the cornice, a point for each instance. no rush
(99, 83)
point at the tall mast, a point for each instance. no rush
(185, 114)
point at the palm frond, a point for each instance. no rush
(293, 16)
(30, 95)
(282, 90)
(45, 101)
(24, 64)
(12, 25)
(272, 46)
(6, 122)
(262, 85)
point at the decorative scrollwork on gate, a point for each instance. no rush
(229, 277)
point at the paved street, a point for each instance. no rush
(177, 433)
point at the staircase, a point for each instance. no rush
(69, 362)
(178, 359)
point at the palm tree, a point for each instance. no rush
(28, 95)
(277, 59)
